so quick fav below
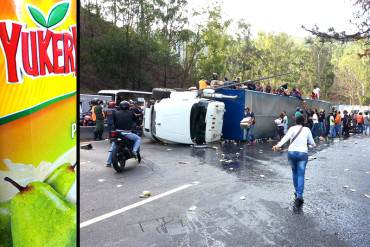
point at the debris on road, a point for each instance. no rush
(192, 208)
(87, 146)
(145, 194)
(200, 146)
(311, 158)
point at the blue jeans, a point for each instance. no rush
(315, 130)
(298, 162)
(130, 136)
(367, 129)
(322, 128)
(360, 128)
(332, 132)
(248, 134)
(338, 129)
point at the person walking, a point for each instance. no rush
(338, 124)
(286, 122)
(367, 123)
(248, 132)
(315, 124)
(279, 122)
(360, 123)
(332, 132)
(346, 122)
(299, 137)
(322, 125)
(98, 118)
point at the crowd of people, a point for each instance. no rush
(334, 124)
(255, 86)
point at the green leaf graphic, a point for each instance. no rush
(37, 16)
(57, 14)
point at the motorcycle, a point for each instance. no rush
(122, 151)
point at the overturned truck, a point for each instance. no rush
(194, 117)
(266, 108)
(184, 118)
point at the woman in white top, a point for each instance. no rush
(315, 126)
(299, 137)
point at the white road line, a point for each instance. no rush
(137, 204)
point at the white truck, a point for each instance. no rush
(185, 118)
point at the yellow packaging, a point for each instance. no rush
(38, 41)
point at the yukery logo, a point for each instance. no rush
(41, 51)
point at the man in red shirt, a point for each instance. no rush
(360, 123)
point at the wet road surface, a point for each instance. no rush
(226, 195)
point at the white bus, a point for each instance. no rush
(124, 94)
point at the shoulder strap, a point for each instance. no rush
(295, 137)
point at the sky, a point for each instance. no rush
(282, 15)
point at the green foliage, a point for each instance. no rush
(148, 44)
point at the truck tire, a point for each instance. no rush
(161, 93)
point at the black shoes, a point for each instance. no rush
(298, 202)
(137, 157)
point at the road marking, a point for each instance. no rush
(137, 204)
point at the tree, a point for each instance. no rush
(361, 20)
(215, 40)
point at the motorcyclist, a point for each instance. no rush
(124, 120)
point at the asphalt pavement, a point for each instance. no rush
(226, 194)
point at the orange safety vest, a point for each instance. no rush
(93, 114)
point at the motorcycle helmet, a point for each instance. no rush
(124, 105)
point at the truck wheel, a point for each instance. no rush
(161, 93)
(118, 165)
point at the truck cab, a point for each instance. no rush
(184, 118)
